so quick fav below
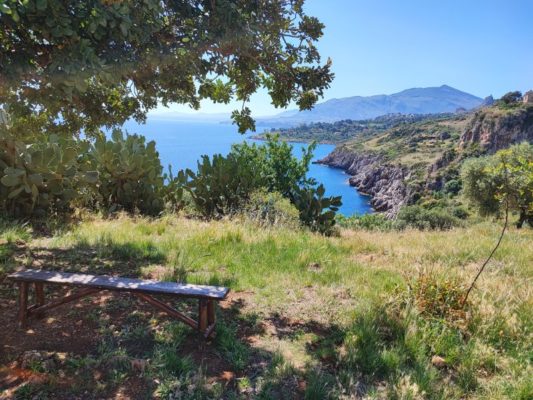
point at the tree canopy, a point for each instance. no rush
(83, 64)
(503, 180)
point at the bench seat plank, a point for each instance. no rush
(121, 284)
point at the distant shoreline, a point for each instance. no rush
(289, 140)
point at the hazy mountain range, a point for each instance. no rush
(411, 101)
(431, 100)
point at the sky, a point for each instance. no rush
(482, 47)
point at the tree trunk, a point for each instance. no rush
(521, 219)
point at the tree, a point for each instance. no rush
(82, 64)
(511, 97)
(276, 164)
(504, 179)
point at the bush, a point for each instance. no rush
(311, 204)
(274, 162)
(503, 178)
(271, 209)
(224, 185)
(441, 298)
(453, 187)
(421, 218)
(511, 97)
(129, 174)
(370, 222)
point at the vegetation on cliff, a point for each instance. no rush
(420, 162)
(344, 130)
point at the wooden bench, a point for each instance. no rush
(144, 289)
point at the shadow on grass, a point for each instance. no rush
(124, 259)
(126, 348)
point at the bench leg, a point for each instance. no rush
(202, 315)
(211, 317)
(23, 303)
(39, 297)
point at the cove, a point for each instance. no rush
(180, 144)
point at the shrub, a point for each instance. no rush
(453, 187)
(129, 174)
(223, 185)
(440, 297)
(274, 162)
(370, 222)
(271, 209)
(503, 178)
(418, 217)
(511, 97)
(311, 204)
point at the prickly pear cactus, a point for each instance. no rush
(130, 174)
(221, 184)
(46, 174)
(317, 211)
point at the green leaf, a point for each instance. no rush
(41, 4)
(15, 171)
(91, 177)
(10, 180)
(15, 192)
(36, 179)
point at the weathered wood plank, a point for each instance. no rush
(39, 293)
(121, 284)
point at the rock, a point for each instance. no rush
(494, 130)
(487, 101)
(528, 97)
(139, 364)
(44, 359)
(372, 176)
(438, 361)
(314, 267)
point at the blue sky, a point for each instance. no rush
(385, 46)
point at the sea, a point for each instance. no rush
(181, 144)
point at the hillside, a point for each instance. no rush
(344, 130)
(411, 161)
(431, 100)
(308, 317)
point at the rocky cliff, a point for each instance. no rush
(400, 178)
(494, 129)
(370, 175)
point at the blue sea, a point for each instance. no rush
(180, 144)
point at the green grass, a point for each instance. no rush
(313, 317)
(12, 235)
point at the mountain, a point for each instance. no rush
(431, 100)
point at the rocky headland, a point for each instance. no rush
(392, 183)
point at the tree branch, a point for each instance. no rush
(491, 254)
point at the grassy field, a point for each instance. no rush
(363, 315)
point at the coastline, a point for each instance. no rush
(373, 178)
